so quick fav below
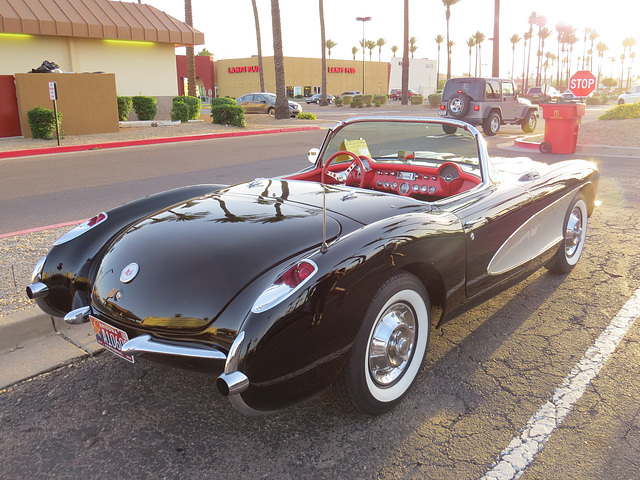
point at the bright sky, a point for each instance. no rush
(229, 27)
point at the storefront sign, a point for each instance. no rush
(250, 68)
(341, 70)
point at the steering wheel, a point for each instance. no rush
(341, 177)
(450, 181)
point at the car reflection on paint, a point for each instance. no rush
(333, 276)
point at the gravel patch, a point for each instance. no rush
(614, 133)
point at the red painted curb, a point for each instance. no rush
(148, 141)
(521, 142)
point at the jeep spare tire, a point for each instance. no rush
(459, 105)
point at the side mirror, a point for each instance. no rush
(313, 155)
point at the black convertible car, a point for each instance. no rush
(331, 276)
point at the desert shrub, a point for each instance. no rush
(347, 99)
(357, 103)
(338, 101)
(593, 101)
(228, 114)
(193, 103)
(180, 111)
(223, 101)
(435, 99)
(624, 111)
(42, 123)
(124, 108)
(307, 116)
(380, 100)
(145, 107)
(417, 100)
(368, 100)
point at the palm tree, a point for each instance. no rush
(329, 44)
(540, 22)
(282, 105)
(380, 43)
(593, 34)
(412, 45)
(394, 49)
(629, 43)
(191, 60)
(405, 56)
(527, 38)
(601, 47)
(543, 34)
(439, 40)
(550, 57)
(515, 38)
(257, 21)
(479, 37)
(495, 67)
(354, 50)
(471, 43)
(532, 21)
(323, 44)
(448, 4)
(571, 40)
(371, 45)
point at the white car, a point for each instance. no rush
(631, 96)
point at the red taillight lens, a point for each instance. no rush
(285, 285)
(96, 220)
(442, 107)
(296, 274)
(476, 107)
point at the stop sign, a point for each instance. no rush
(582, 83)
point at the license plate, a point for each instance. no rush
(442, 113)
(111, 338)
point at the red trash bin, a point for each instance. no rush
(562, 121)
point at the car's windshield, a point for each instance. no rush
(407, 142)
(269, 97)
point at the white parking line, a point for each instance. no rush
(518, 455)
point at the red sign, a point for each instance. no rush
(582, 83)
(341, 70)
(251, 68)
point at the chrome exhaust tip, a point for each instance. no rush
(37, 290)
(232, 383)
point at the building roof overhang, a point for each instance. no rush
(98, 19)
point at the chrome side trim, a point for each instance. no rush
(78, 316)
(37, 290)
(147, 344)
(232, 359)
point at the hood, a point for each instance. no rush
(180, 267)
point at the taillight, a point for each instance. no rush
(82, 228)
(285, 285)
(442, 107)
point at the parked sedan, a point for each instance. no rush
(396, 93)
(631, 96)
(332, 276)
(263, 102)
(543, 94)
(316, 98)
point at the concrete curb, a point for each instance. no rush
(149, 141)
(32, 343)
(528, 143)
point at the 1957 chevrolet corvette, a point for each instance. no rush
(331, 276)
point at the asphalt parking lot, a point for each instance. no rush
(485, 386)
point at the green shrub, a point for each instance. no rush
(42, 123)
(124, 108)
(624, 111)
(347, 99)
(228, 114)
(223, 101)
(180, 111)
(193, 103)
(380, 100)
(605, 99)
(593, 101)
(145, 107)
(368, 100)
(435, 99)
(359, 103)
(417, 100)
(338, 101)
(307, 116)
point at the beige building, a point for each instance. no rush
(303, 76)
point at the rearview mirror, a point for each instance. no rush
(313, 155)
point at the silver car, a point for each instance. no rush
(631, 96)
(263, 102)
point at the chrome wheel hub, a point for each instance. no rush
(573, 234)
(392, 344)
(456, 105)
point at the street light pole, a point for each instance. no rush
(363, 20)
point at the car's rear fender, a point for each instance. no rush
(70, 267)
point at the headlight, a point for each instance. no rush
(285, 285)
(82, 228)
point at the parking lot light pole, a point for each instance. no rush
(363, 20)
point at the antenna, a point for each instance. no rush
(324, 248)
